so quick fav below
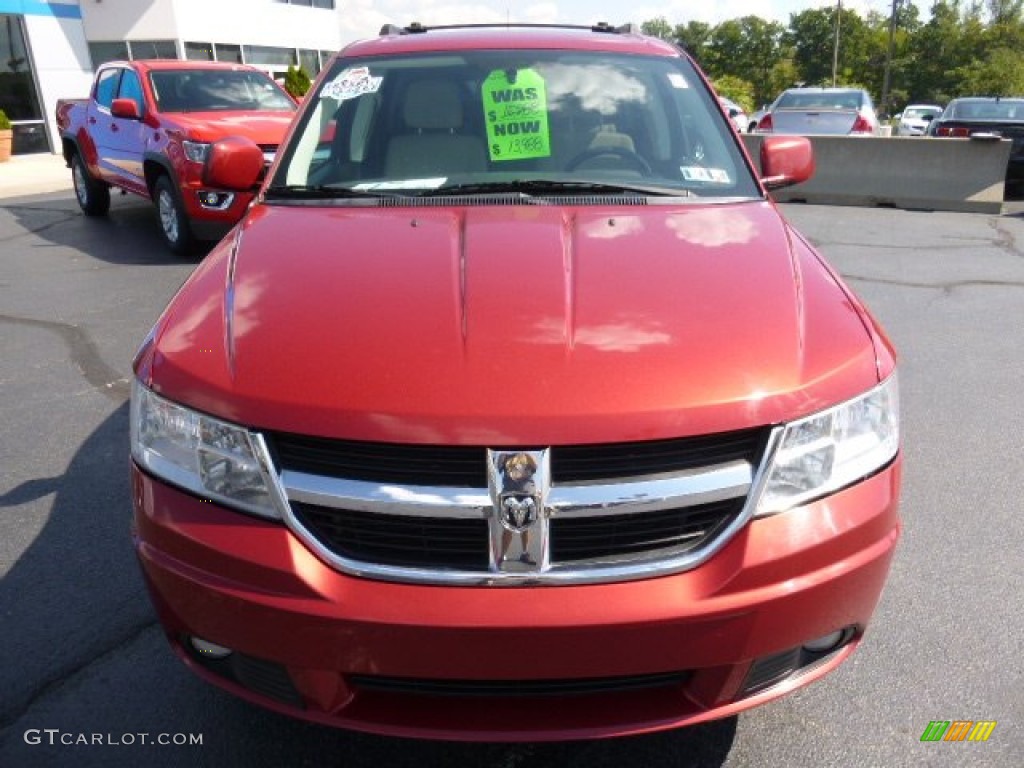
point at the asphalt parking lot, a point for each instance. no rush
(81, 654)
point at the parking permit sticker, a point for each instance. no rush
(677, 80)
(708, 175)
(516, 114)
(350, 84)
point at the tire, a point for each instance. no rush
(93, 196)
(174, 223)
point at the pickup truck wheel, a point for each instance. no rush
(174, 222)
(93, 196)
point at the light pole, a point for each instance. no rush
(888, 58)
(835, 48)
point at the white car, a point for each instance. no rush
(915, 119)
(737, 115)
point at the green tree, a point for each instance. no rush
(812, 33)
(694, 37)
(999, 73)
(747, 48)
(737, 89)
(659, 28)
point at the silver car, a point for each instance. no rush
(831, 111)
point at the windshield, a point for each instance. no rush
(819, 100)
(991, 109)
(215, 90)
(532, 122)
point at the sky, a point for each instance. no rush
(363, 18)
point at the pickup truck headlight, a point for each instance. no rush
(206, 456)
(825, 452)
(196, 151)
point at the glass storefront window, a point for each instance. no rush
(269, 56)
(199, 51)
(153, 49)
(101, 53)
(309, 61)
(19, 98)
(229, 52)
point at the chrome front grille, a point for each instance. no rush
(466, 466)
(455, 514)
(398, 540)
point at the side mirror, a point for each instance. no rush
(233, 163)
(928, 118)
(786, 160)
(126, 108)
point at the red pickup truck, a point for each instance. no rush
(147, 128)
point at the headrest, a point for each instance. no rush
(608, 138)
(433, 105)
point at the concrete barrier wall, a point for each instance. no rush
(904, 172)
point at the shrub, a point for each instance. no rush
(296, 81)
(5, 123)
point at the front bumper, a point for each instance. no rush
(481, 663)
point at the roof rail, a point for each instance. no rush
(623, 29)
(416, 28)
(393, 29)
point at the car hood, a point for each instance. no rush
(259, 127)
(511, 325)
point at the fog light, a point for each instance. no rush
(212, 650)
(826, 643)
(209, 198)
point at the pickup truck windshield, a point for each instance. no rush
(206, 90)
(480, 121)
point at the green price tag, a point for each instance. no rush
(516, 113)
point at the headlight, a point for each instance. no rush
(196, 151)
(207, 456)
(822, 453)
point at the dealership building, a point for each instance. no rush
(49, 50)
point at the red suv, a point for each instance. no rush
(513, 409)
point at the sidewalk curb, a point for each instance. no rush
(26, 175)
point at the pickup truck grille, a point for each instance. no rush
(269, 153)
(450, 514)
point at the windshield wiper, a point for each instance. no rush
(552, 186)
(321, 191)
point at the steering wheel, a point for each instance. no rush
(627, 155)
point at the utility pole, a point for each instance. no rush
(888, 59)
(835, 49)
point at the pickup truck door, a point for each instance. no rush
(119, 141)
(128, 140)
